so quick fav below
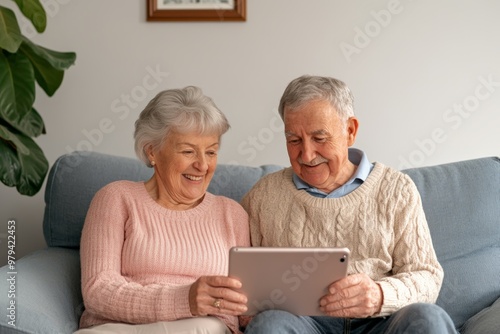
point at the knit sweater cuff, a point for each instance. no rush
(176, 304)
(391, 302)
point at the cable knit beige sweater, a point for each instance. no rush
(139, 259)
(382, 222)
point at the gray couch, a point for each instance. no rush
(461, 201)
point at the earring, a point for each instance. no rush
(152, 163)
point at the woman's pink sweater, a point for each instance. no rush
(139, 259)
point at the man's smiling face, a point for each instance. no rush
(317, 143)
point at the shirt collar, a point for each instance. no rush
(357, 157)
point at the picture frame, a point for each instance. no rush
(196, 10)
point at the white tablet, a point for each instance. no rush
(290, 279)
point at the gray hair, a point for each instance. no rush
(182, 110)
(309, 88)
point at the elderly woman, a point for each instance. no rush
(154, 254)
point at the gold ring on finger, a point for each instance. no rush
(217, 303)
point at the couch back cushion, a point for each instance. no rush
(76, 177)
(461, 201)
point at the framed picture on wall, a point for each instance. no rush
(196, 10)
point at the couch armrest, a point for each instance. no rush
(46, 291)
(485, 322)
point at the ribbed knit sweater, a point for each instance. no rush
(382, 222)
(139, 259)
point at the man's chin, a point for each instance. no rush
(312, 178)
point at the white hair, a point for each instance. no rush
(182, 110)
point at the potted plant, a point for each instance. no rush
(22, 63)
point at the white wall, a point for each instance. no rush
(410, 64)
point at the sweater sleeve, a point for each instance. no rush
(106, 293)
(242, 231)
(249, 203)
(417, 274)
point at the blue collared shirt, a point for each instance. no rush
(357, 157)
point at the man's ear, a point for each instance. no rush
(352, 130)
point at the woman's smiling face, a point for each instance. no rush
(184, 167)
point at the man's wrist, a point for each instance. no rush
(380, 299)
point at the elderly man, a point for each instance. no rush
(332, 196)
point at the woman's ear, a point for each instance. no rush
(148, 149)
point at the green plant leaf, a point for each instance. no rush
(9, 136)
(31, 159)
(10, 34)
(17, 90)
(32, 124)
(58, 60)
(49, 65)
(10, 167)
(34, 167)
(22, 63)
(34, 11)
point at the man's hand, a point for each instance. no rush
(216, 295)
(355, 296)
